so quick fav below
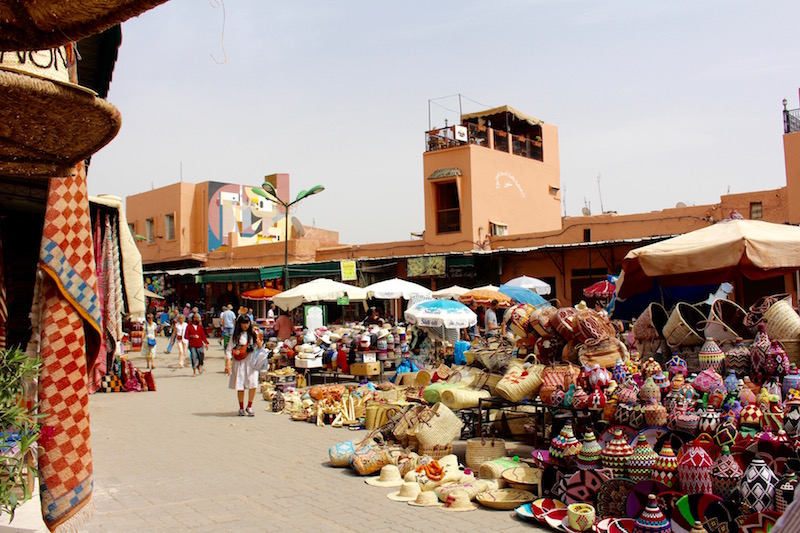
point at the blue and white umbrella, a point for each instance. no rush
(441, 313)
(524, 296)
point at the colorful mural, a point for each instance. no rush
(234, 208)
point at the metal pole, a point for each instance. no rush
(286, 247)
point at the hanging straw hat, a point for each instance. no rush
(407, 493)
(426, 498)
(389, 477)
(49, 122)
(458, 500)
(48, 23)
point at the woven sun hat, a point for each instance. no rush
(383, 333)
(49, 23)
(408, 492)
(458, 500)
(389, 477)
(426, 498)
(50, 123)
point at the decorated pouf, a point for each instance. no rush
(757, 486)
(665, 468)
(694, 468)
(726, 474)
(652, 520)
(641, 461)
(616, 454)
(590, 452)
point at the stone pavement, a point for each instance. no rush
(180, 459)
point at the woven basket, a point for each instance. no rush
(519, 383)
(435, 452)
(463, 398)
(683, 326)
(782, 321)
(433, 392)
(726, 322)
(650, 323)
(481, 450)
(792, 348)
(505, 499)
(406, 423)
(494, 469)
(438, 426)
(602, 352)
(761, 306)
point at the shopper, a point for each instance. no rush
(179, 339)
(284, 327)
(196, 335)
(244, 375)
(492, 327)
(227, 319)
(149, 344)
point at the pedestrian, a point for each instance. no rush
(179, 338)
(244, 375)
(251, 315)
(196, 335)
(227, 318)
(284, 327)
(490, 319)
(149, 344)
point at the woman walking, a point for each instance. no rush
(244, 376)
(149, 344)
(179, 338)
(197, 343)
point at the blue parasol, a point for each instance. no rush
(524, 296)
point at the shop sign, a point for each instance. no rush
(348, 270)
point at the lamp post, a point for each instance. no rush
(271, 194)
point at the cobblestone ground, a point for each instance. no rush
(180, 459)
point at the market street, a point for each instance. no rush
(180, 459)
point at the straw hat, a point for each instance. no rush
(50, 122)
(458, 500)
(50, 23)
(389, 477)
(382, 334)
(426, 499)
(230, 306)
(407, 493)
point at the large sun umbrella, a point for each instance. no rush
(535, 284)
(392, 289)
(262, 293)
(318, 290)
(524, 296)
(485, 297)
(723, 252)
(486, 288)
(441, 313)
(450, 293)
(601, 289)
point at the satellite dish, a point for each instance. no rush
(680, 205)
(586, 211)
(299, 230)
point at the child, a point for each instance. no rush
(149, 344)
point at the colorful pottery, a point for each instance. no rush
(694, 468)
(791, 417)
(623, 414)
(751, 416)
(758, 485)
(791, 380)
(616, 454)
(652, 520)
(655, 414)
(716, 397)
(597, 400)
(637, 420)
(712, 356)
(726, 474)
(650, 367)
(641, 461)
(777, 362)
(619, 372)
(738, 358)
(590, 452)
(665, 468)
(687, 421)
(662, 381)
(727, 433)
(708, 380)
(580, 400)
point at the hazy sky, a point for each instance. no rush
(667, 101)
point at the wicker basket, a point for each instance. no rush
(406, 423)
(463, 398)
(519, 383)
(438, 426)
(505, 499)
(782, 321)
(726, 322)
(435, 452)
(683, 326)
(481, 450)
(494, 469)
(602, 352)
(792, 347)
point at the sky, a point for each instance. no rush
(656, 102)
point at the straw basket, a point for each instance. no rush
(463, 398)
(524, 478)
(761, 306)
(650, 323)
(602, 352)
(505, 499)
(481, 450)
(438, 426)
(683, 326)
(782, 321)
(519, 383)
(792, 348)
(433, 393)
(436, 452)
(726, 322)
(406, 423)
(494, 469)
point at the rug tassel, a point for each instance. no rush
(78, 521)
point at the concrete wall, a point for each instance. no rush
(791, 153)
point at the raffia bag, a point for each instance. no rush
(683, 326)
(602, 352)
(782, 321)
(463, 398)
(519, 382)
(481, 450)
(761, 306)
(493, 469)
(435, 452)
(438, 426)
(406, 423)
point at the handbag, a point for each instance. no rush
(239, 352)
(151, 342)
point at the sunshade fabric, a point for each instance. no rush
(450, 293)
(395, 288)
(535, 284)
(485, 297)
(262, 293)
(318, 290)
(441, 313)
(151, 294)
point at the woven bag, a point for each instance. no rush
(407, 421)
(602, 352)
(726, 322)
(683, 326)
(481, 450)
(370, 459)
(761, 306)
(519, 383)
(589, 324)
(557, 375)
(435, 452)
(463, 398)
(494, 468)
(438, 426)
(564, 323)
(782, 321)
(341, 453)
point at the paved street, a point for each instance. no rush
(180, 459)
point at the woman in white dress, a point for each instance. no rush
(244, 375)
(179, 337)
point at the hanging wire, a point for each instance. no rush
(215, 4)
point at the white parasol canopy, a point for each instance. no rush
(441, 313)
(450, 293)
(392, 289)
(535, 284)
(318, 290)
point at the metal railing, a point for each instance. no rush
(791, 120)
(442, 138)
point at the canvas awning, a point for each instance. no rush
(499, 111)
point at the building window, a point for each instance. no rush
(169, 226)
(448, 212)
(132, 228)
(587, 235)
(755, 210)
(150, 230)
(498, 229)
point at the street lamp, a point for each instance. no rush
(271, 194)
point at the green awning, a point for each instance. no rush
(460, 261)
(445, 173)
(315, 270)
(275, 272)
